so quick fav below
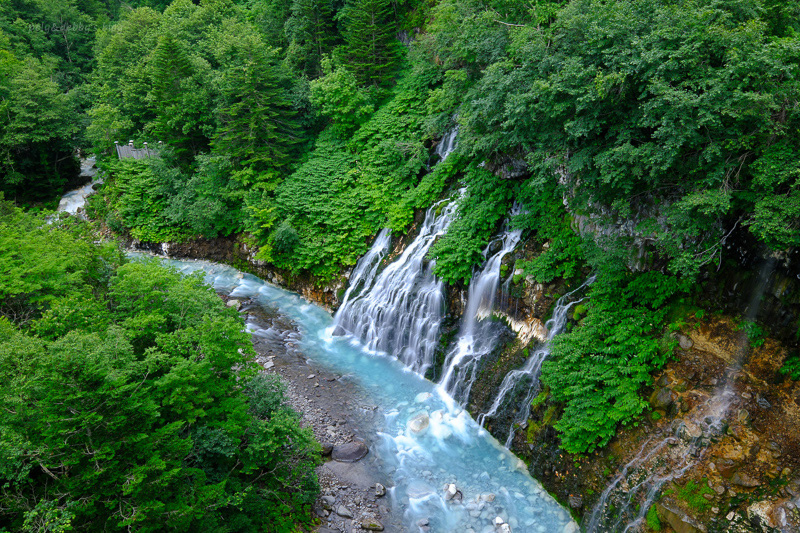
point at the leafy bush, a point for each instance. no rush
(480, 213)
(598, 368)
(652, 519)
(791, 366)
(142, 409)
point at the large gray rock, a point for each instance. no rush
(663, 398)
(744, 480)
(679, 520)
(328, 502)
(371, 523)
(344, 512)
(350, 452)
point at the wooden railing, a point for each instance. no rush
(128, 151)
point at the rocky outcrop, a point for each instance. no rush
(679, 520)
(238, 252)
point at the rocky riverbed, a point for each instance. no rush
(354, 495)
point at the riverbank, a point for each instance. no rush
(353, 493)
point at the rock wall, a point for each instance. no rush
(237, 252)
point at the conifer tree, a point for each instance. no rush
(170, 96)
(256, 128)
(372, 48)
(311, 30)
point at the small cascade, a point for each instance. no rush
(533, 365)
(399, 313)
(366, 268)
(447, 144)
(623, 505)
(477, 337)
(74, 201)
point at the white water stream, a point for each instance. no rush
(555, 325)
(477, 337)
(75, 199)
(399, 311)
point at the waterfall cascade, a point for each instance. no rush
(624, 504)
(477, 336)
(401, 311)
(367, 267)
(447, 144)
(555, 325)
(74, 200)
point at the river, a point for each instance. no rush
(425, 440)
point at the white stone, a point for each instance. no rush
(422, 396)
(419, 423)
(572, 527)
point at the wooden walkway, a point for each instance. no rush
(128, 151)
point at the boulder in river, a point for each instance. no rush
(349, 452)
(344, 512)
(419, 423)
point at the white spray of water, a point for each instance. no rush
(476, 337)
(533, 365)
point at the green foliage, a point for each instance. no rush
(338, 97)
(480, 212)
(662, 104)
(755, 333)
(791, 366)
(371, 48)
(652, 519)
(310, 30)
(692, 494)
(598, 369)
(41, 263)
(346, 191)
(141, 408)
(256, 127)
(138, 197)
(545, 214)
(37, 124)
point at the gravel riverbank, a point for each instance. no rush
(353, 497)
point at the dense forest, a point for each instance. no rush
(305, 127)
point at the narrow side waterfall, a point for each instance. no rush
(400, 312)
(476, 337)
(366, 268)
(624, 503)
(448, 144)
(555, 325)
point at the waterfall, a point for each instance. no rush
(400, 310)
(367, 266)
(623, 505)
(476, 336)
(447, 144)
(555, 325)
